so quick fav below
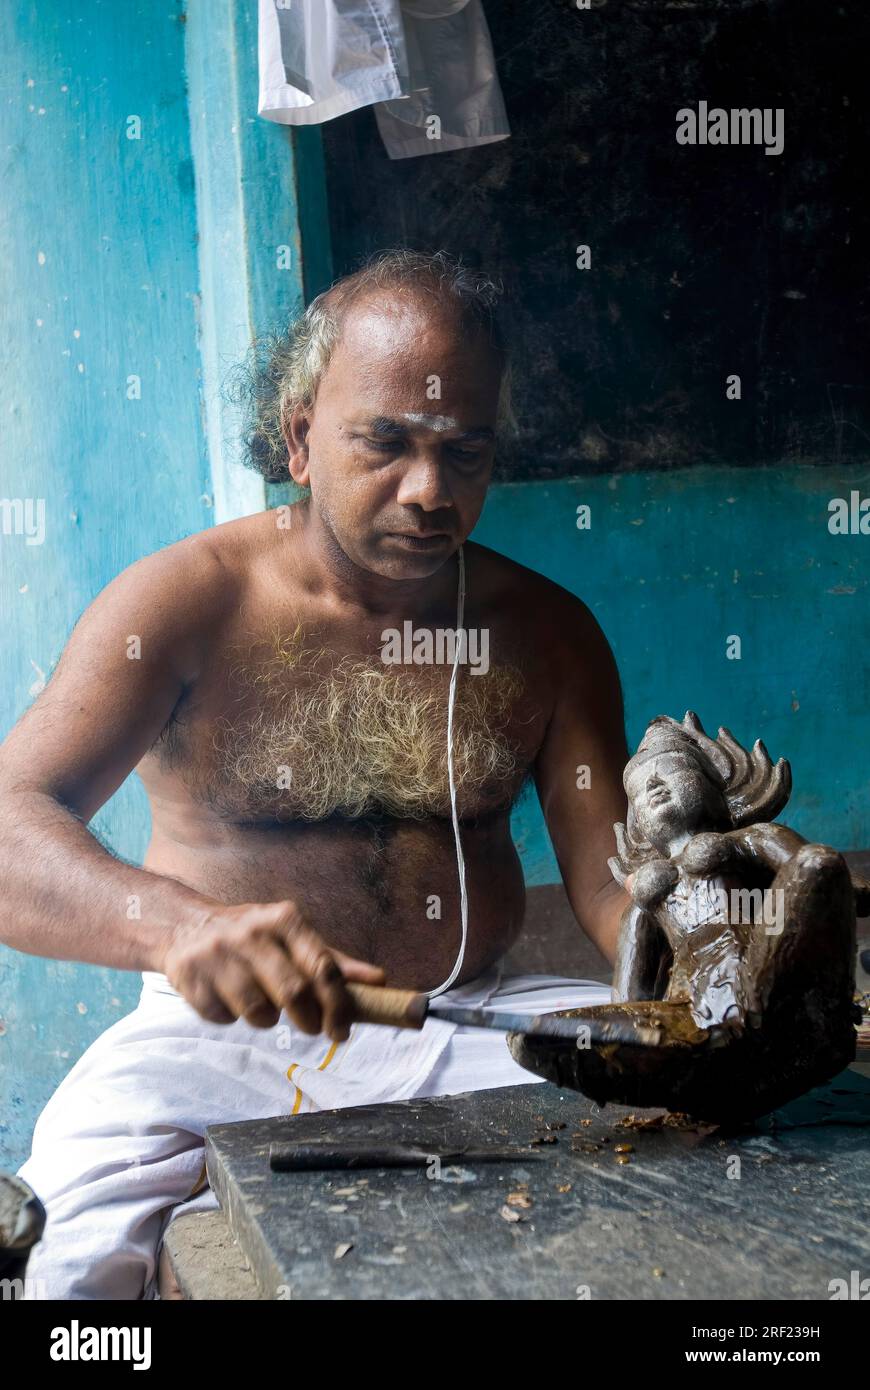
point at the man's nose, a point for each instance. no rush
(424, 485)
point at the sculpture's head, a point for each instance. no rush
(682, 782)
(672, 790)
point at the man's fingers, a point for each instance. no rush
(359, 970)
(207, 1002)
(241, 992)
(316, 963)
(337, 1004)
(280, 979)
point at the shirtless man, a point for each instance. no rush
(301, 815)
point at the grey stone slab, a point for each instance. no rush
(669, 1224)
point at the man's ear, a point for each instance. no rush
(295, 431)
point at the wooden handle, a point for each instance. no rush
(399, 1008)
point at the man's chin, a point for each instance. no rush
(406, 557)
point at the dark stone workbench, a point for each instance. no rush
(669, 1224)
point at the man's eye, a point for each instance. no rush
(383, 445)
(467, 455)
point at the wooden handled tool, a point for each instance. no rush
(400, 1008)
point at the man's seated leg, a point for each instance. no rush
(120, 1143)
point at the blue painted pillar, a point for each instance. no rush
(263, 228)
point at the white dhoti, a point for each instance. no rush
(118, 1150)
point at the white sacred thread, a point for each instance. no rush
(451, 705)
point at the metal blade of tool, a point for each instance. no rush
(587, 1031)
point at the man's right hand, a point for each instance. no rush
(253, 960)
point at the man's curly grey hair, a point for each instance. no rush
(284, 369)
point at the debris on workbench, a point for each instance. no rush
(564, 1187)
(510, 1214)
(519, 1199)
(342, 1250)
(675, 1119)
(659, 1273)
(546, 1130)
(622, 1158)
(580, 1144)
(624, 1149)
(641, 1122)
(668, 1119)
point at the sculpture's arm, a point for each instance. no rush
(768, 843)
(722, 852)
(639, 950)
(775, 845)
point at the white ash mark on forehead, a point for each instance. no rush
(440, 423)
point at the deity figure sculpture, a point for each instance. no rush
(738, 945)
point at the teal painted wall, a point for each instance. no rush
(99, 283)
(673, 565)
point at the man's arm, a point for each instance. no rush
(66, 896)
(579, 769)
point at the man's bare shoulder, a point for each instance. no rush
(521, 591)
(212, 563)
(179, 595)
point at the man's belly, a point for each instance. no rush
(383, 890)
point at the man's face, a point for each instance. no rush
(401, 438)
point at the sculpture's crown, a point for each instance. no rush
(666, 735)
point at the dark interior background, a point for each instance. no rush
(706, 260)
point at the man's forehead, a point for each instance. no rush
(419, 324)
(394, 356)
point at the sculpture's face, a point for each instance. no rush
(671, 797)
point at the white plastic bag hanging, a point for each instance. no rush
(425, 65)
